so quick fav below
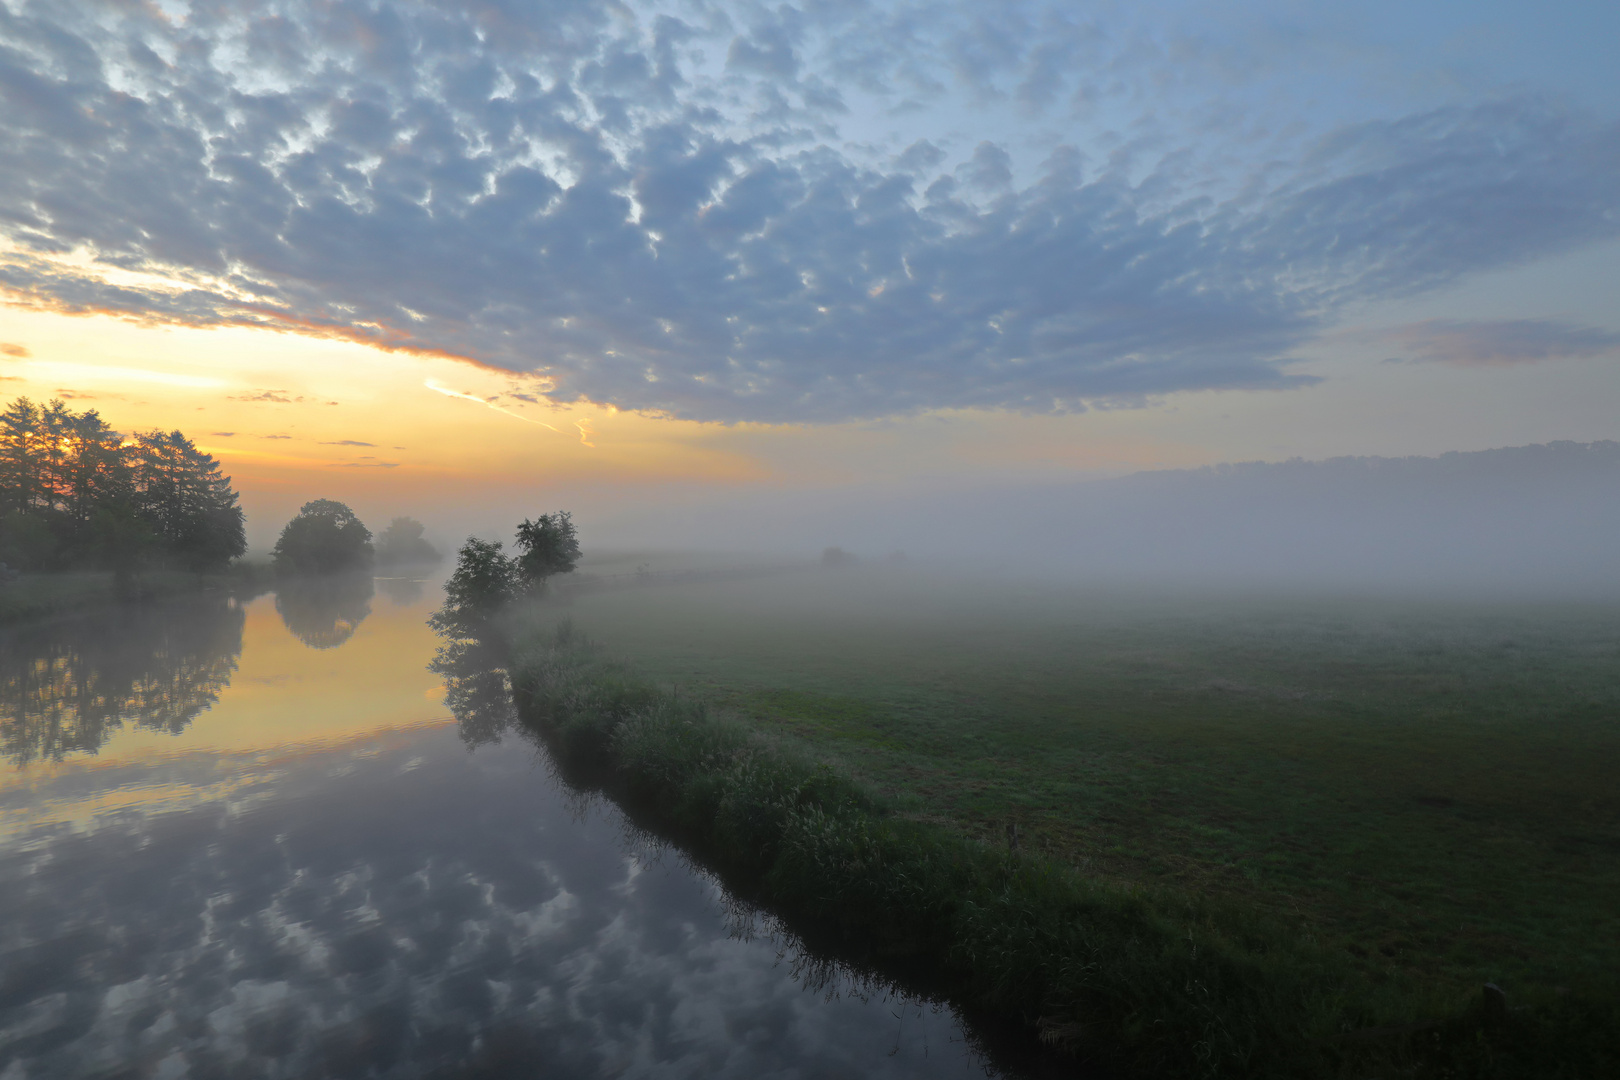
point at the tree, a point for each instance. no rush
(325, 538)
(546, 546)
(22, 446)
(71, 486)
(179, 490)
(402, 543)
(485, 581)
(97, 472)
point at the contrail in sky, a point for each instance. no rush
(447, 392)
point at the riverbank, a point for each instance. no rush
(1146, 979)
(38, 596)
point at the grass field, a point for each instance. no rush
(1424, 786)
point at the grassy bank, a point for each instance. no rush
(36, 596)
(1147, 975)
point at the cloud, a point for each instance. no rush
(348, 442)
(275, 436)
(277, 397)
(671, 216)
(1501, 342)
(365, 464)
(16, 351)
(223, 434)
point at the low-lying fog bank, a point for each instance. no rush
(1523, 520)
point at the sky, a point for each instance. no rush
(481, 259)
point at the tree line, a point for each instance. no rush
(76, 494)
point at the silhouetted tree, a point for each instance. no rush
(402, 543)
(180, 492)
(485, 580)
(22, 446)
(66, 479)
(546, 546)
(325, 538)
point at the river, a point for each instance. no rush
(251, 840)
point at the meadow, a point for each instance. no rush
(1420, 790)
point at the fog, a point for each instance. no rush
(1530, 519)
(1533, 518)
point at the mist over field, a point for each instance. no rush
(1515, 520)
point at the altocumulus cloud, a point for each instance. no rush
(695, 214)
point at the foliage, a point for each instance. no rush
(484, 582)
(546, 546)
(402, 544)
(325, 538)
(76, 494)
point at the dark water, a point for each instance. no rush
(250, 840)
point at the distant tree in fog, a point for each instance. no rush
(325, 538)
(402, 543)
(547, 546)
(837, 556)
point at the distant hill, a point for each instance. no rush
(1518, 517)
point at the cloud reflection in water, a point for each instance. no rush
(398, 906)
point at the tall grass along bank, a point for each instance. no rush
(1123, 979)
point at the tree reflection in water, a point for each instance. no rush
(403, 591)
(324, 612)
(66, 686)
(476, 689)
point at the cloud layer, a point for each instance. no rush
(730, 212)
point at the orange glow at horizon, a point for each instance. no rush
(283, 411)
(294, 416)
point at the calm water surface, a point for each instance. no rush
(242, 840)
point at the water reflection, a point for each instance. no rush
(324, 612)
(329, 878)
(400, 907)
(67, 686)
(401, 590)
(476, 689)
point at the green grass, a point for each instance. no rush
(1425, 790)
